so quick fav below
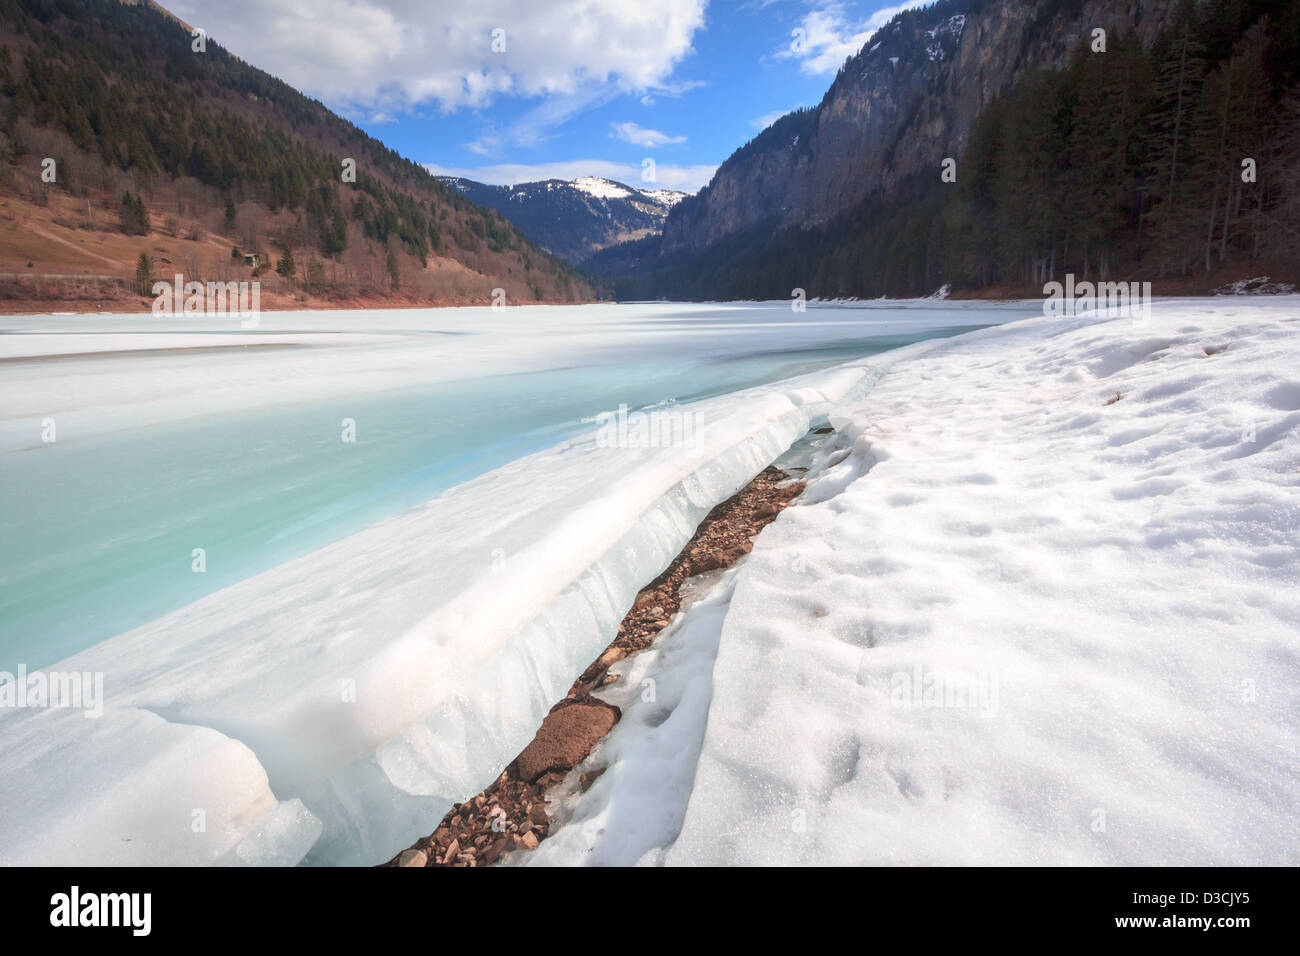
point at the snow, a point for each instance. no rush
(665, 197)
(601, 188)
(1037, 604)
(130, 788)
(1013, 620)
(376, 680)
(638, 804)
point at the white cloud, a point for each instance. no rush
(830, 36)
(639, 136)
(673, 90)
(392, 55)
(685, 178)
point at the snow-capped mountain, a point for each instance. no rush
(578, 218)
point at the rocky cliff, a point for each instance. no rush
(897, 108)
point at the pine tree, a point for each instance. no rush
(133, 215)
(1179, 75)
(394, 271)
(143, 274)
(285, 266)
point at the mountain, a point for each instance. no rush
(847, 198)
(575, 219)
(188, 159)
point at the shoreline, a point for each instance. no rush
(510, 814)
(50, 308)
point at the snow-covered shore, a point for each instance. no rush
(1038, 604)
(1041, 609)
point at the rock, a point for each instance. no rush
(453, 851)
(565, 737)
(413, 858)
(493, 853)
(603, 663)
(587, 779)
(530, 841)
(538, 814)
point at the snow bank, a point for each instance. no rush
(129, 788)
(1013, 620)
(374, 681)
(1044, 612)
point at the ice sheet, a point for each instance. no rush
(382, 677)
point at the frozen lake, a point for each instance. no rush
(382, 622)
(172, 435)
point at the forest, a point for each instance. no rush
(131, 106)
(1169, 163)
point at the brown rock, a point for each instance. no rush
(453, 851)
(530, 841)
(413, 858)
(587, 779)
(538, 814)
(612, 656)
(565, 737)
(493, 853)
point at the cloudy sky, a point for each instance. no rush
(509, 91)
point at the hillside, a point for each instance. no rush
(577, 219)
(201, 162)
(1131, 156)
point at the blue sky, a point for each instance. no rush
(514, 90)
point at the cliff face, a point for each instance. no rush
(899, 107)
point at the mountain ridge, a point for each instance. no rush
(991, 145)
(902, 103)
(574, 219)
(208, 158)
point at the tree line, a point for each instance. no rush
(1166, 161)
